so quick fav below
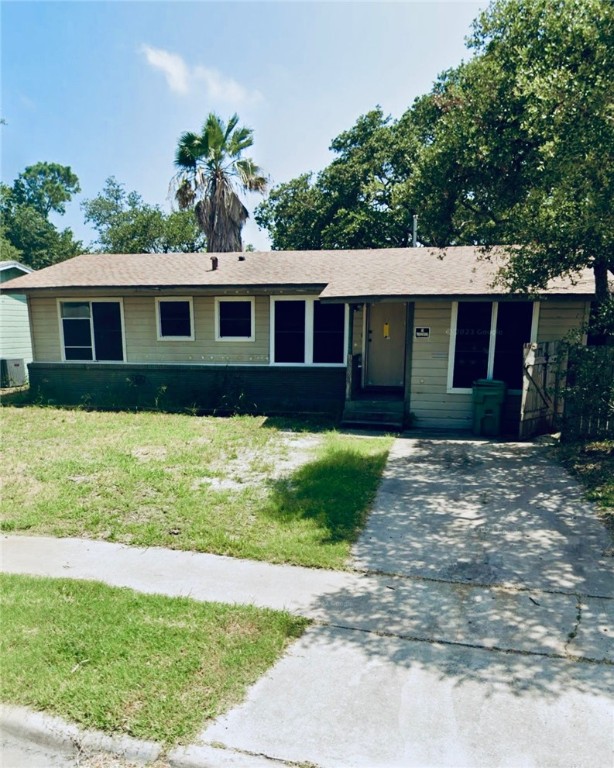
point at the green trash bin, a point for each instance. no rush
(488, 397)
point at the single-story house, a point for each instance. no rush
(15, 343)
(398, 334)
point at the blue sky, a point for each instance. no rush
(108, 87)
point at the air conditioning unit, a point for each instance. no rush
(12, 372)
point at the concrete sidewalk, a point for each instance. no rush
(532, 621)
(486, 641)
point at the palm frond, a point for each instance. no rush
(214, 130)
(185, 195)
(211, 173)
(250, 175)
(188, 151)
(232, 124)
(241, 139)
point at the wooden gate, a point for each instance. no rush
(541, 404)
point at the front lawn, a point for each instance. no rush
(239, 486)
(148, 666)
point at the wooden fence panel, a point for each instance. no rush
(541, 403)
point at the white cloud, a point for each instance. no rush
(172, 65)
(185, 80)
(223, 88)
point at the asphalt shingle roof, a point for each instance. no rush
(394, 272)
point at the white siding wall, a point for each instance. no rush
(15, 328)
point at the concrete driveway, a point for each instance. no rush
(485, 513)
(479, 635)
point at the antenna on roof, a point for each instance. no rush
(414, 233)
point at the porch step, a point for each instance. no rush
(378, 414)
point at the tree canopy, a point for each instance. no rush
(27, 233)
(126, 224)
(523, 141)
(46, 187)
(513, 147)
(211, 173)
(351, 203)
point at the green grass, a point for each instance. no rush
(144, 665)
(204, 484)
(592, 462)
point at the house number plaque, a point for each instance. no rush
(423, 333)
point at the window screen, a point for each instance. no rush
(81, 319)
(235, 319)
(472, 342)
(77, 330)
(328, 332)
(175, 319)
(107, 330)
(514, 321)
(289, 332)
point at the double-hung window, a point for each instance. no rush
(487, 341)
(91, 330)
(234, 319)
(175, 319)
(306, 331)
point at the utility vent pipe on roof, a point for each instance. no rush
(214, 263)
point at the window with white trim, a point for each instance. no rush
(487, 341)
(91, 330)
(234, 319)
(175, 319)
(305, 331)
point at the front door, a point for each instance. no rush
(385, 351)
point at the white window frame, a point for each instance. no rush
(451, 390)
(308, 351)
(89, 300)
(218, 301)
(165, 299)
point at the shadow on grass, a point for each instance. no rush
(307, 423)
(16, 396)
(335, 491)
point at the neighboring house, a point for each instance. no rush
(387, 331)
(14, 324)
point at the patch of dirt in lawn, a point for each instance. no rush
(149, 452)
(257, 467)
(20, 475)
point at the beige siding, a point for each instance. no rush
(15, 328)
(558, 318)
(430, 402)
(45, 329)
(142, 345)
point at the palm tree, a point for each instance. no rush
(211, 174)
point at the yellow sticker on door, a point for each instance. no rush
(386, 330)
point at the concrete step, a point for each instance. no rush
(373, 413)
(374, 406)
